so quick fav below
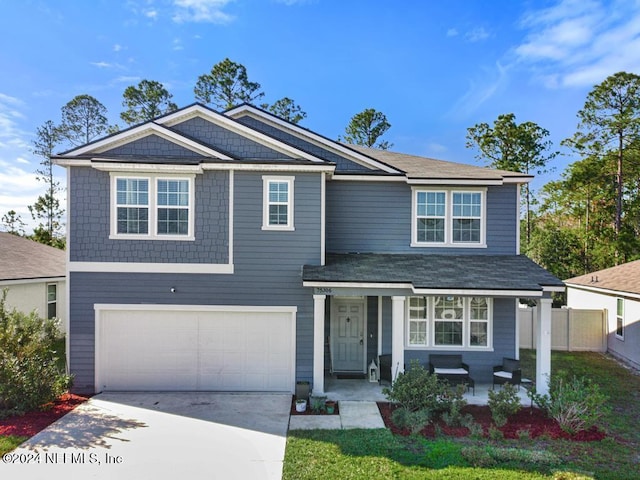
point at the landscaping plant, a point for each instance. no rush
(576, 403)
(503, 403)
(29, 374)
(417, 389)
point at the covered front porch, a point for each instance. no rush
(412, 306)
(365, 391)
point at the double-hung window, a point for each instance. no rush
(277, 203)
(173, 207)
(132, 200)
(450, 218)
(466, 217)
(449, 322)
(152, 207)
(52, 300)
(620, 318)
(430, 217)
(418, 321)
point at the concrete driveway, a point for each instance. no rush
(160, 435)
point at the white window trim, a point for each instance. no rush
(152, 206)
(621, 317)
(421, 320)
(266, 180)
(54, 301)
(466, 329)
(448, 224)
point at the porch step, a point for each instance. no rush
(360, 414)
(352, 415)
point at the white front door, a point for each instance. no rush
(348, 334)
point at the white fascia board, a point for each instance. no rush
(67, 162)
(145, 167)
(523, 179)
(310, 137)
(192, 308)
(23, 281)
(268, 167)
(369, 178)
(452, 181)
(604, 291)
(426, 291)
(222, 120)
(550, 288)
(134, 267)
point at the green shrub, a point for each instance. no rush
(454, 417)
(29, 375)
(414, 420)
(576, 403)
(417, 389)
(503, 403)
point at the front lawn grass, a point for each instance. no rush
(378, 454)
(8, 443)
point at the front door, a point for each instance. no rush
(348, 335)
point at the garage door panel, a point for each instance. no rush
(196, 350)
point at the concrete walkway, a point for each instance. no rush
(352, 415)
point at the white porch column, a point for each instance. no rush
(397, 335)
(543, 345)
(318, 344)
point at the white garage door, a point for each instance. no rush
(199, 348)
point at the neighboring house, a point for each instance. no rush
(34, 276)
(230, 251)
(616, 289)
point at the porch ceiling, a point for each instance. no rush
(507, 273)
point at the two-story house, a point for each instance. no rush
(238, 252)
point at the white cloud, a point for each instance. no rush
(201, 11)
(482, 89)
(578, 43)
(152, 14)
(102, 64)
(117, 47)
(477, 34)
(452, 32)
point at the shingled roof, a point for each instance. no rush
(622, 278)
(422, 167)
(435, 272)
(23, 259)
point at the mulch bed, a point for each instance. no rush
(30, 423)
(308, 411)
(532, 420)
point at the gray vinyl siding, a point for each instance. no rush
(375, 217)
(89, 218)
(267, 272)
(226, 140)
(152, 145)
(481, 363)
(342, 164)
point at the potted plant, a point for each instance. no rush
(330, 406)
(301, 405)
(318, 404)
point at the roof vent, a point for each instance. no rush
(594, 279)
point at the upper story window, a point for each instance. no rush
(449, 322)
(277, 203)
(152, 208)
(452, 218)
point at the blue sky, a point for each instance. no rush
(434, 68)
